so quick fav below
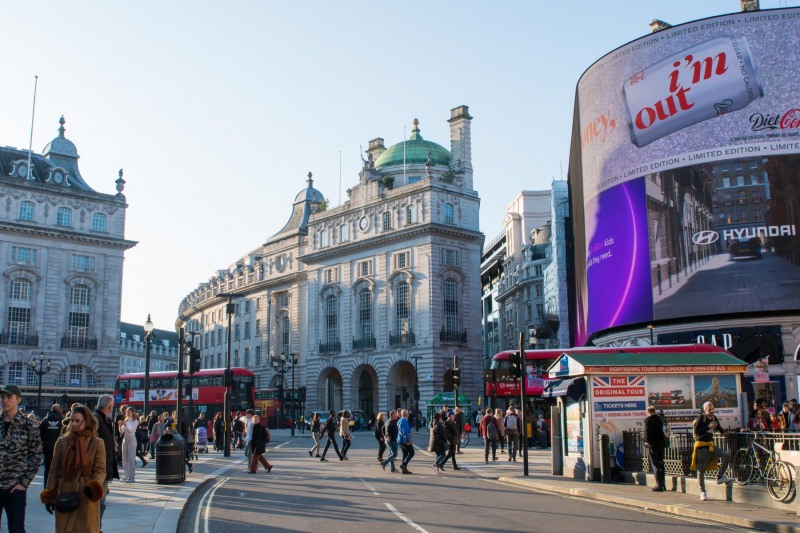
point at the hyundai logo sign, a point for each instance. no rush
(705, 237)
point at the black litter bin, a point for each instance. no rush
(170, 459)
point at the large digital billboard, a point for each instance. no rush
(685, 174)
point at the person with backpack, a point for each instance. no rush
(513, 427)
(490, 434)
(238, 430)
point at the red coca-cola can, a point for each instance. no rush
(707, 80)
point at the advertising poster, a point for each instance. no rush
(721, 390)
(574, 428)
(156, 395)
(619, 396)
(670, 392)
(685, 173)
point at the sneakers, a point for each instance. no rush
(435, 468)
(310, 454)
(383, 466)
(724, 479)
(323, 459)
(703, 496)
(454, 468)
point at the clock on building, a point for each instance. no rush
(280, 263)
(58, 177)
(363, 223)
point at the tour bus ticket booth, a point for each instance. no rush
(608, 393)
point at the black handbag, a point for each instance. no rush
(66, 502)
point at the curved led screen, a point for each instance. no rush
(685, 174)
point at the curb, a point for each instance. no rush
(676, 509)
(167, 521)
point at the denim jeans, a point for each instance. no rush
(392, 454)
(13, 503)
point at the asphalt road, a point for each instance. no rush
(302, 494)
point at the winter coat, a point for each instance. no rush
(86, 518)
(439, 438)
(106, 433)
(259, 440)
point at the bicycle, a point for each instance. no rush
(749, 466)
(464, 439)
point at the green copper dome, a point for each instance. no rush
(416, 152)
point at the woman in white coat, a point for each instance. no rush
(127, 429)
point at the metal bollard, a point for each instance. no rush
(605, 460)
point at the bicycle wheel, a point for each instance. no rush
(743, 465)
(779, 481)
(464, 440)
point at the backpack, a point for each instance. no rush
(511, 422)
(491, 430)
(237, 425)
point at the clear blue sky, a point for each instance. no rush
(218, 110)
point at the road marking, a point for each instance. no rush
(209, 495)
(375, 492)
(404, 518)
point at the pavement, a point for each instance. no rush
(145, 506)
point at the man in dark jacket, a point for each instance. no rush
(50, 430)
(390, 431)
(654, 440)
(451, 430)
(330, 429)
(460, 427)
(105, 431)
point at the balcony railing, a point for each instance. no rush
(22, 340)
(447, 335)
(367, 343)
(78, 343)
(403, 338)
(330, 347)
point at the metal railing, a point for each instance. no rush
(367, 343)
(330, 347)
(678, 457)
(453, 336)
(403, 338)
(78, 343)
(22, 340)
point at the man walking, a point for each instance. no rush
(390, 433)
(330, 430)
(459, 426)
(705, 454)
(20, 458)
(248, 430)
(513, 426)
(452, 437)
(654, 440)
(49, 431)
(105, 431)
(404, 439)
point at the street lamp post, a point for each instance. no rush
(148, 339)
(294, 393)
(279, 364)
(41, 368)
(230, 308)
(651, 327)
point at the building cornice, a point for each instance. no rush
(66, 235)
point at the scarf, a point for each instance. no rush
(76, 461)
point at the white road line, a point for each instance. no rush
(404, 518)
(208, 495)
(375, 492)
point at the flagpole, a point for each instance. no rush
(33, 114)
(404, 154)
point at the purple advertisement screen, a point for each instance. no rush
(685, 174)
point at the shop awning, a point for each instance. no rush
(573, 388)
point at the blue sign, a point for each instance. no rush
(620, 406)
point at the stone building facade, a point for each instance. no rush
(375, 297)
(61, 253)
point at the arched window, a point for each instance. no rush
(284, 333)
(402, 308)
(450, 305)
(15, 373)
(365, 313)
(449, 216)
(31, 377)
(64, 217)
(411, 214)
(331, 320)
(18, 318)
(99, 222)
(26, 210)
(79, 311)
(323, 238)
(387, 221)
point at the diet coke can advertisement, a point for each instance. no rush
(685, 175)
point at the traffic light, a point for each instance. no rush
(194, 360)
(456, 376)
(515, 364)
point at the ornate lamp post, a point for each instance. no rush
(279, 364)
(148, 339)
(230, 309)
(293, 360)
(41, 368)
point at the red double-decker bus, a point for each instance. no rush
(207, 386)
